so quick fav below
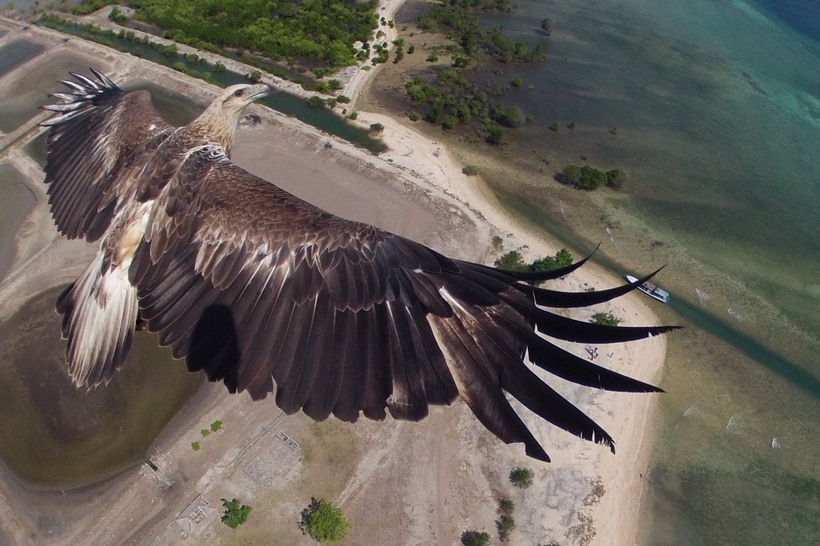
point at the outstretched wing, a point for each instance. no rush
(267, 292)
(98, 133)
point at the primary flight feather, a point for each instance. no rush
(268, 293)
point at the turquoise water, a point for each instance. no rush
(713, 109)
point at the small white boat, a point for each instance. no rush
(650, 289)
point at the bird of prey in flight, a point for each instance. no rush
(270, 294)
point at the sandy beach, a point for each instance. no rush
(407, 483)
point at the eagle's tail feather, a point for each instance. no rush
(99, 314)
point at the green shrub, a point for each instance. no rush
(505, 524)
(195, 446)
(605, 319)
(591, 178)
(511, 261)
(117, 16)
(521, 477)
(415, 116)
(470, 170)
(562, 258)
(585, 178)
(615, 178)
(216, 425)
(506, 507)
(496, 136)
(316, 102)
(323, 522)
(235, 514)
(475, 538)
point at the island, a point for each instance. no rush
(395, 482)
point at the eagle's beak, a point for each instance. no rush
(258, 91)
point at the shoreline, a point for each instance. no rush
(425, 167)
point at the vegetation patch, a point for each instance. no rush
(323, 521)
(521, 477)
(457, 20)
(235, 514)
(589, 178)
(319, 32)
(452, 100)
(505, 523)
(475, 538)
(605, 319)
(513, 261)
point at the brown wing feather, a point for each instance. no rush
(99, 129)
(267, 292)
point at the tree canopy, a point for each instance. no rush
(318, 30)
(323, 522)
(235, 513)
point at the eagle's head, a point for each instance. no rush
(237, 97)
(218, 122)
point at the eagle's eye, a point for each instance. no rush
(238, 92)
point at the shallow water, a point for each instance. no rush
(54, 435)
(31, 89)
(713, 110)
(16, 202)
(17, 52)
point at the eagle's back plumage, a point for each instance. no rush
(268, 293)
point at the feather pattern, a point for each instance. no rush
(270, 294)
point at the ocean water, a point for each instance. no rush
(712, 107)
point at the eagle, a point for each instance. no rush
(270, 294)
